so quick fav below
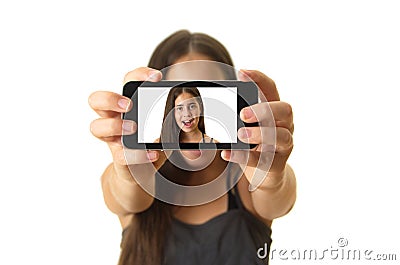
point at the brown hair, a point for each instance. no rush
(182, 43)
(144, 239)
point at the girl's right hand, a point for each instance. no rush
(109, 127)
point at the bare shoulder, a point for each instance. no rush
(209, 139)
(245, 196)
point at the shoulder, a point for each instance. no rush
(209, 139)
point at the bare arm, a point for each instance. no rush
(122, 194)
(276, 195)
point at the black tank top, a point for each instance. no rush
(231, 238)
(235, 237)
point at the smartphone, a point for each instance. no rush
(163, 113)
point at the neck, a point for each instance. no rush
(203, 176)
(193, 136)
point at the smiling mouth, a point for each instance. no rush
(188, 123)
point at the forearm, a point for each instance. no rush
(122, 194)
(276, 195)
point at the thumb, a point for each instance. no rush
(266, 84)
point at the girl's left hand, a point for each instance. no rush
(260, 157)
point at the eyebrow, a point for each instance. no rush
(190, 103)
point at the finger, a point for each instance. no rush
(108, 127)
(242, 76)
(259, 164)
(133, 157)
(143, 74)
(284, 141)
(281, 151)
(283, 114)
(278, 113)
(277, 139)
(257, 135)
(236, 156)
(109, 104)
(283, 146)
(249, 158)
(266, 84)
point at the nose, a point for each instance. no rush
(187, 112)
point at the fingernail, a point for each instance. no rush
(243, 76)
(127, 126)
(154, 75)
(247, 113)
(123, 103)
(244, 133)
(226, 154)
(247, 72)
(151, 155)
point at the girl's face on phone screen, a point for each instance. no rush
(187, 112)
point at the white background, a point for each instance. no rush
(336, 62)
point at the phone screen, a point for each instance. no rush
(219, 112)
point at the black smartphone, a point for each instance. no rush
(163, 112)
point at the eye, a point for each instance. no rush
(193, 106)
(179, 108)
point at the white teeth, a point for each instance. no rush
(188, 121)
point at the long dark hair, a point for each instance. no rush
(170, 130)
(144, 239)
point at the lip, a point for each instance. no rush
(188, 123)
